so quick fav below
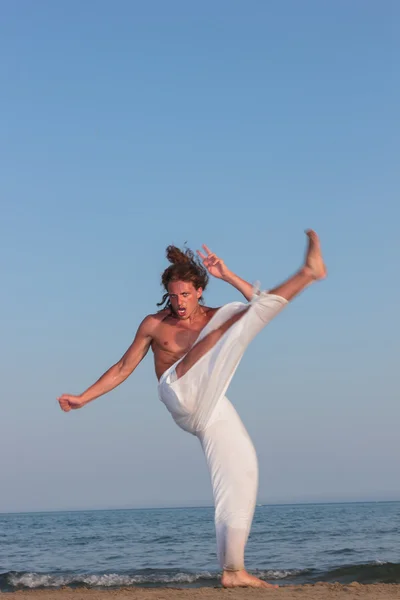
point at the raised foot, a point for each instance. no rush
(231, 579)
(314, 263)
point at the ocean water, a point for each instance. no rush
(289, 544)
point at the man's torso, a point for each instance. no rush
(172, 337)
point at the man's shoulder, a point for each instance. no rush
(209, 312)
(154, 319)
(149, 325)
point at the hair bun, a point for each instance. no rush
(177, 257)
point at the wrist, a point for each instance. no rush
(84, 399)
(228, 276)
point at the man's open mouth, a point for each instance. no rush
(181, 312)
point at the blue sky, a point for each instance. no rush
(128, 126)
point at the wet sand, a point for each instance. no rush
(319, 591)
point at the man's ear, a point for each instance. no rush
(199, 292)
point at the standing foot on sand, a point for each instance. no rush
(231, 579)
(314, 263)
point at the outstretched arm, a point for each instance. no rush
(216, 267)
(117, 373)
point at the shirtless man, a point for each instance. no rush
(196, 352)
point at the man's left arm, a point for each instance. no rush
(240, 284)
(217, 268)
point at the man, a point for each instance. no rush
(196, 352)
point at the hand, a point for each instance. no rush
(68, 402)
(214, 265)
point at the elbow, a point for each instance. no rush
(123, 371)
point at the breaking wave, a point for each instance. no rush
(364, 573)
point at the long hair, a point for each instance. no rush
(185, 267)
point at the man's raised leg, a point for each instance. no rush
(313, 270)
(205, 344)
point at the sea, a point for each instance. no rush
(288, 544)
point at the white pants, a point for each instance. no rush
(198, 404)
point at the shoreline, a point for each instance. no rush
(317, 591)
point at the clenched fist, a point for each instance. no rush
(68, 402)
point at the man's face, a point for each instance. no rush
(184, 298)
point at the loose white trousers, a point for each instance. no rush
(198, 404)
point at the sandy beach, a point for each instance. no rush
(319, 591)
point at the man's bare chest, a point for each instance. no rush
(176, 337)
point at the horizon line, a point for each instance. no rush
(140, 508)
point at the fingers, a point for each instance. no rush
(202, 256)
(211, 256)
(64, 405)
(208, 251)
(210, 259)
(213, 260)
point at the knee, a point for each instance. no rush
(268, 306)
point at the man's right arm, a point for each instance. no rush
(118, 372)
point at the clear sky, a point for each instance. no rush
(127, 126)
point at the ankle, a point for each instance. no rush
(228, 578)
(233, 571)
(307, 273)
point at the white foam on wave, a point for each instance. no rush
(276, 574)
(35, 580)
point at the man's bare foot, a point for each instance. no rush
(231, 579)
(314, 263)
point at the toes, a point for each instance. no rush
(269, 585)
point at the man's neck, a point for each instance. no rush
(197, 314)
